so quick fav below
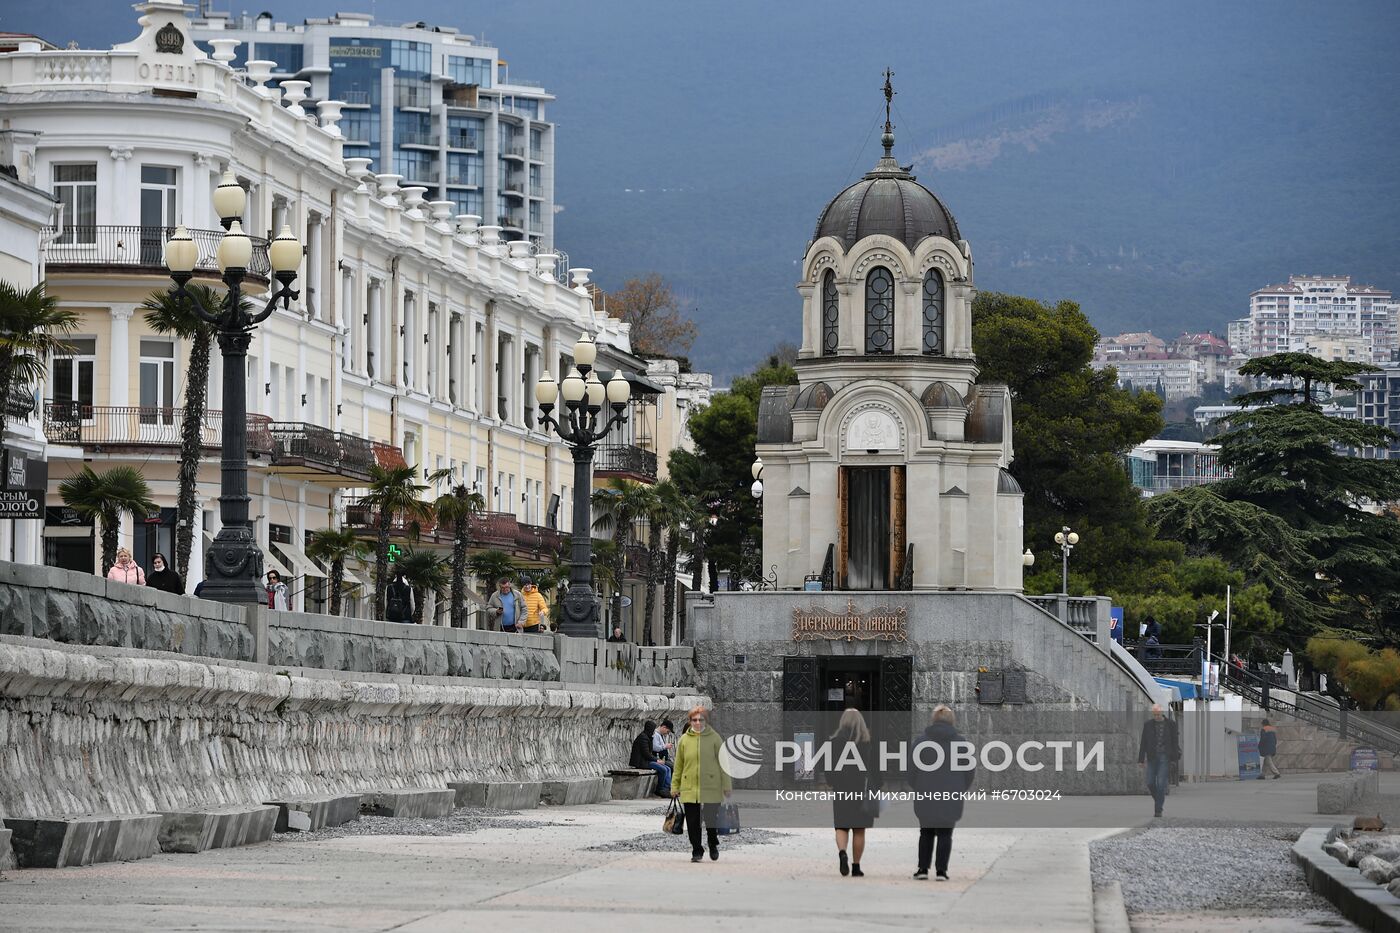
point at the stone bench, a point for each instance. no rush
(576, 791)
(632, 783)
(1340, 794)
(408, 802)
(308, 814)
(499, 795)
(216, 827)
(83, 840)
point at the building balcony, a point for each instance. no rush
(420, 140)
(111, 428)
(508, 222)
(499, 531)
(513, 152)
(355, 98)
(413, 98)
(86, 248)
(388, 456)
(459, 140)
(634, 561)
(316, 454)
(624, 461)
(536, 155)
(514, 187)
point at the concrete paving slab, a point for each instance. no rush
(82, 840)
(308, 814)
(216, 828)
(408, 802)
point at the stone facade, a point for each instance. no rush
(1074, 689)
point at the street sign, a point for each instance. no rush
(1364, 759)
(394, 553)
(21, 503)
(1249, 756)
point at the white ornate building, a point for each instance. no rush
(418, 336)
(885, 467)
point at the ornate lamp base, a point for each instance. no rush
(580, 614)
(233, 568)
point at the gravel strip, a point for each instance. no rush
(1173, 869)
(463, 820)
(666, 842)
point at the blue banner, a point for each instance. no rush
(1249, 756)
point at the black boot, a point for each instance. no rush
(855, 870)
(714, 845)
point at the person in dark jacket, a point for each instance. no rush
(398, 600)
(856, 777)
(1158, 749)
(937, 817)
(1268, 748)
(644, 756)
(164, 577)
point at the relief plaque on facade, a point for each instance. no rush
(883, 623)
(170, 40)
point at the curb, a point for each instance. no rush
(1366, 904)
(1110, 913)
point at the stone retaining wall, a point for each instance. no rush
(87, 730)
(81, 609)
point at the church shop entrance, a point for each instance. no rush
(871, 500)
(816, 690)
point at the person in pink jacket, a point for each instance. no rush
(126, 570)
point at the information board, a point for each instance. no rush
(1249, 756)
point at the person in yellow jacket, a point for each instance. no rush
(700, 782)
(535, 606)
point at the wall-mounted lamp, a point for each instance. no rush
(267, 388)
(425, 338)
(303, 398)
(401, 330)
(339, 408)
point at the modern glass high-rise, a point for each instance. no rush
(426, 102)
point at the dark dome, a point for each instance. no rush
(887, 200)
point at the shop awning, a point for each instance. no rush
(305, 566)
(1186, 688)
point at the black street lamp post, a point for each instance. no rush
(581, 425)
(233, 564)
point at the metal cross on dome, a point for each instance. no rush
(888, 139)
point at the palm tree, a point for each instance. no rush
(32, 326)
(619, 505)
(394, 493)
(426, 573)
(104, 497)
(455, 508)
(168, 315)
(677, 515)
(489, 567)
(336, 546)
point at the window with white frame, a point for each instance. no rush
(75, 187)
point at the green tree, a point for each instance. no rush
(1295, 503)
(105, 497)
(677, 514)
(336, 546)
(1180, 595)
(455, 509)
(394, 494)
(1072, 425)
(489, 567)
(32, 328)
(427, 573)
(167, 314)
(618, 506)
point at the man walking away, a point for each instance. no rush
(1268, 748)
(504, 606)
(939, 805)
(644, 757)
(1158, 749)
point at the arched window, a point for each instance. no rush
(879, 311)
(831, 315)
(933, 314)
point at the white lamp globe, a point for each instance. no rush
(229, 198)
(757, 489)
(585, 351)
(572, 388)
(285, 251)
(546, 390)
(1059, 537)
(757, 468)
(1028, 558)
(1073, 538)
(596, 391)
(181, 253)
(235, 249)
(618, 389)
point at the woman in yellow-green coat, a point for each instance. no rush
(699, 781)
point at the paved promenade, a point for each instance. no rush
(538, 870)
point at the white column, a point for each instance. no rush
(374, 347)
(314, 261)
(119, 362)
(121, 155)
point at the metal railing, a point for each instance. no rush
(388, 456)
(516, 151)
(625, 458)
(536, 154)
(461, 140)
(418, 97)
(141, 426)
(510, 223)
(103, 246)
(355, 98)
(332, 452)
(1325, 715)
(496, 530)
